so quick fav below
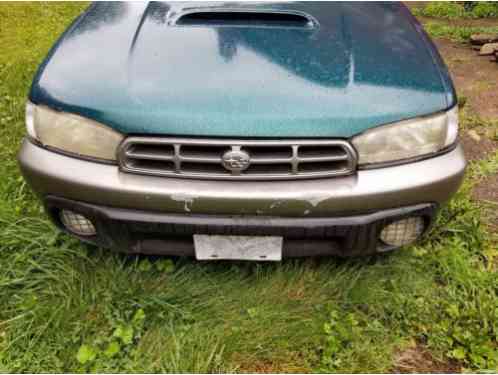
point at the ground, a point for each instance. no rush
(418, 359)
(68, 307)
(476, 81)
(474, 76)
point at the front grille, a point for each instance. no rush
(236, 159)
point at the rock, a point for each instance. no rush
(473, 134)
(480, 39)
(488, 49)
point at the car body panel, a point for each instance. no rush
(127, 65)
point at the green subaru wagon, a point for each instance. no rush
(249, 130)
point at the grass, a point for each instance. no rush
(68, 307)
(456, 33)
(456, 10)
(443, 15)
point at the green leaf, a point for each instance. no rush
(86, 354)
(165, 265)
(458, 353)
(139, 316)
(125, 334)
(252, 312)
(112, 349)
(453, 311)
(144, 265)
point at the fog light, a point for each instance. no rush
(77, 223)
(402, 232)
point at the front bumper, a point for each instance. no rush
(251, 207)
(432, 180)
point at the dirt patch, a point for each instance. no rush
(418, 360)
(269, 367)
(487, 193)
(474, 76)
(477, 145)
(461, 22)
(487, 190)
(291, 363)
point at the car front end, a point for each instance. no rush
(308, 124)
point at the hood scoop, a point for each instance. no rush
(245, 18)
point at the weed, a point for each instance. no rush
(454, 10)
(456, 33)
(115, 347)
(450, 10)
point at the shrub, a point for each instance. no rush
(485, 9)
(454, 10)
(437, 9)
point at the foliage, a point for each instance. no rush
(485, 9)
(456, 33)
(69, 307)
(440, 9)
(454, 10)
(115, 346)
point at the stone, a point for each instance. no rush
(481, 39)
(488, 49)
(473, 134)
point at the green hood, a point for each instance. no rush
(132, 67)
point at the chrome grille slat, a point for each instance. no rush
(270, 161)
(319, 159)
(199, 160)
(148, 156)
(203, 158)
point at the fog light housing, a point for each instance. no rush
(402, 232)
(77, 223)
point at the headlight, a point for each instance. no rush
(71, 133)
(407, 139)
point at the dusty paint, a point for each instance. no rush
(276, 204)
(187, 199)
(317, 199)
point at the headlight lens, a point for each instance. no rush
(71, 133)
(407, 139)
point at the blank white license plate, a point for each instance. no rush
(238, 247)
